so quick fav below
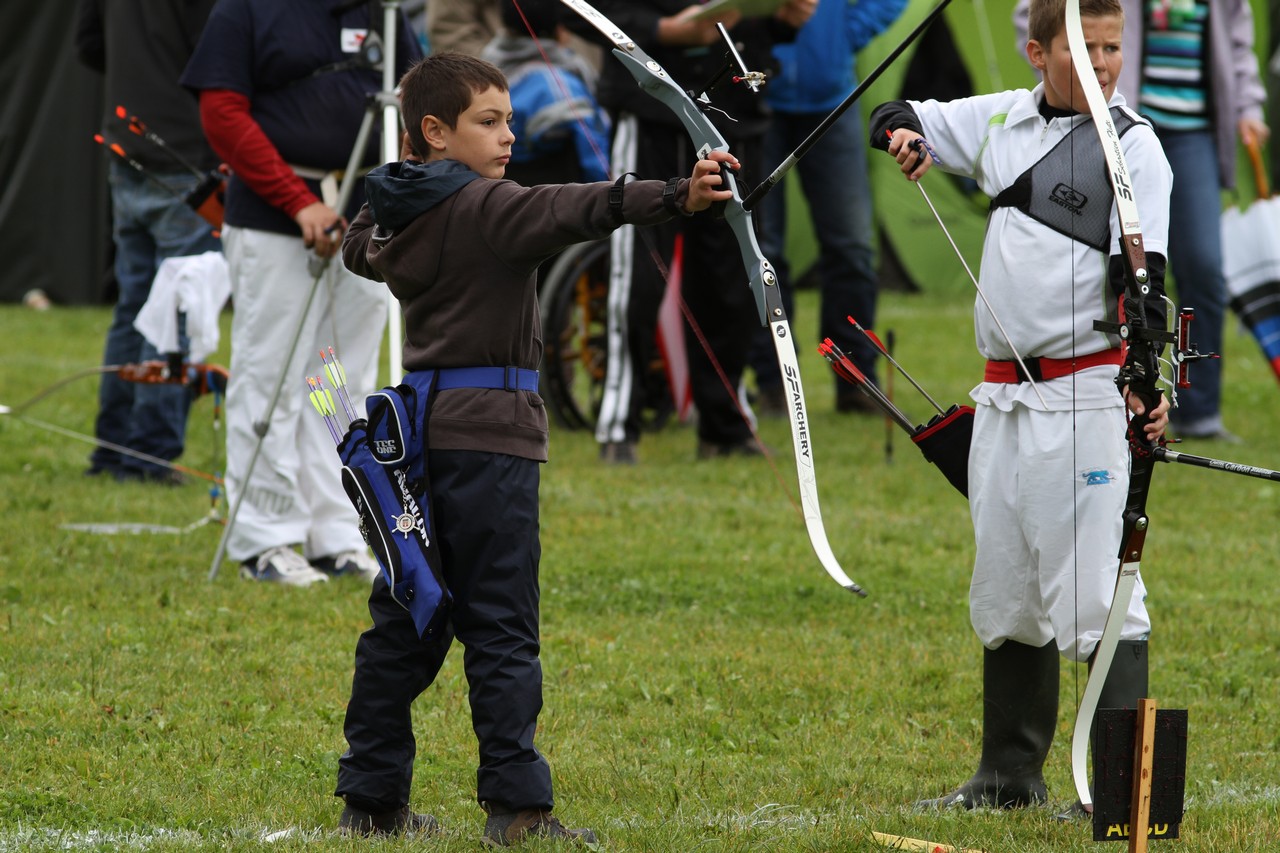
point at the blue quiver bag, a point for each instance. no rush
(384, 475)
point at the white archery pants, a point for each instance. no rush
(1046, 492)
(294, 494)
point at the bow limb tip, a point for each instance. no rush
(856, 590)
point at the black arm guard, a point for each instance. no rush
(887, 118)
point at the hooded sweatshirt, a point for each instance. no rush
(461, 253)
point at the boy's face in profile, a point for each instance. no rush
(482, 138)
(1061, 85)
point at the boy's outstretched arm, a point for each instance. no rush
(705, 182)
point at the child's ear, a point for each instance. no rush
(433, 132)
(1035, 54)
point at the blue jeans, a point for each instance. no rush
(1195, 261)
(148, 226)
(834, 178)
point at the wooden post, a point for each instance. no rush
(1143, 752)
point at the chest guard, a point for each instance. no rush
(1068, 189)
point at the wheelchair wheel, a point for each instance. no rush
(574, 297)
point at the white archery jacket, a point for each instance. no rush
(1046, 287)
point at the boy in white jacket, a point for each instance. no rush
(1048, 465)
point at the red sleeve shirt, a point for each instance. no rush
(240, 141)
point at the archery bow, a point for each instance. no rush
(763, 281)
(1140, 372)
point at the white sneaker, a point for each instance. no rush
(360, 564)
(282, 564)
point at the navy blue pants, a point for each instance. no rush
(485, 508)
(1195, 265)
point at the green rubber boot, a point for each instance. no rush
(1019, 716)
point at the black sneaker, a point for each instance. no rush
(403, 820)
(504, 829)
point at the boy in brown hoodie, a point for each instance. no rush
(460, 247)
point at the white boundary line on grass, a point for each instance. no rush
(28, 839)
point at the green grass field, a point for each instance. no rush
(708, 688)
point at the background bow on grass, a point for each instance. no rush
(199, 377)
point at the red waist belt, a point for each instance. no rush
(1049, 368)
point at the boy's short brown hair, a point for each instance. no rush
(443, 86)
(1046, 18)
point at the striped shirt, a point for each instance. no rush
(1174, 91)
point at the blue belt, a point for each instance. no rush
(495, 378)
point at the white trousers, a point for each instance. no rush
(294, 493)
(1046, 492)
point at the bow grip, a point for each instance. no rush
(1139, 380)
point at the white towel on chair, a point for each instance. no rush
(197, 285)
